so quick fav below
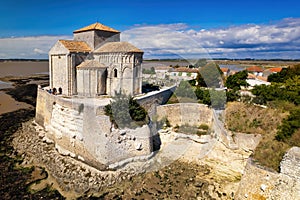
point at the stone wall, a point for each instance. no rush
(156, 98)
(97, 38)
(81, 130)
(185, 113)
(290, 164)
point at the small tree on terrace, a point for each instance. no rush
(124, 111)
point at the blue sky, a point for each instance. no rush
(214, 25)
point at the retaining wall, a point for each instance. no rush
(81, 130)
(185, 113)
(79, 127)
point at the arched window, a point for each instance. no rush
(115, 73)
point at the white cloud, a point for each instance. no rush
(39, 51)
(276, 40)
(28, 47)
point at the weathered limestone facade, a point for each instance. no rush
(95, 63)
(80, 129)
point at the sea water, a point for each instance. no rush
(4, 85)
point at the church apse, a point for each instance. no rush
(106, 65)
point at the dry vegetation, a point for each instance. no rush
(253, 119)
(248, 118)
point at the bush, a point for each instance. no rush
(289, 126)
(237, 80)
(204, 127)
(124, 111)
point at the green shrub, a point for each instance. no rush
(204, 127)
(289, 126)
(124, 111)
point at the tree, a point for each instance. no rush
(287, 91)
(210, 76)
(286, 73)
(124, 111)
(289, 126)
(237, 80)
(203, 95)
(185, 90)
(218, 99)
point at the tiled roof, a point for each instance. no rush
(96, 26)
(224, 69)
(116, 47)
(75, 46)
(162, 68)
(91, 64)
(255, 69)
(275, 69)
(184, 69)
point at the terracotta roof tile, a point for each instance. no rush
(184, 69)
(162, 68)
(91, 64)
(255, 69)
(76, 46)
(224, 69)
(116, 47)
(96, 26)
(275, 69)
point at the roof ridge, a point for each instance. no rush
(96, 26)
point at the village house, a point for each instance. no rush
(184, 73)
(256, 70)
(272, 70)
(162, 71)
(254, 80)
(225, 70)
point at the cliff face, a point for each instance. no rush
(290, 164)
(258, 183)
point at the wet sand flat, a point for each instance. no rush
(9, 104)
(23, 68)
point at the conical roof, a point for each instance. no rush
(96, 26)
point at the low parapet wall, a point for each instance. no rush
(185, 113)
(156, 98)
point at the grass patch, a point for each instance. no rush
(188, 129)
(270, 152)
(248, 118)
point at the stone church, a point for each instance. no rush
(95, 63)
